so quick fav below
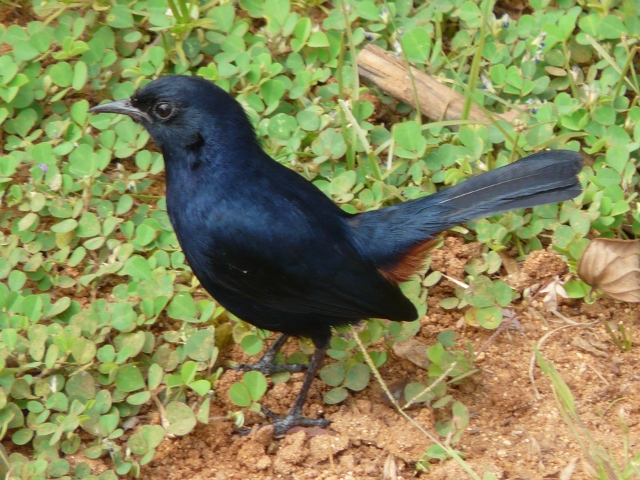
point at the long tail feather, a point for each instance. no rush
(389, 234)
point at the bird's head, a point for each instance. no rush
(182, 112)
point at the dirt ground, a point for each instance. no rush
(513, 431)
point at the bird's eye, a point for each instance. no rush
(164, 110)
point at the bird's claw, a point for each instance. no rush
(267, 368)
(281, 425)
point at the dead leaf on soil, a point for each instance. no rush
(585, 345)
(553, 290)
(414, 351)
(613, 266)
(509, 264)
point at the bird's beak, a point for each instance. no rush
(123, 107)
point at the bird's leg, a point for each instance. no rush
(265, 364)
(282, 424)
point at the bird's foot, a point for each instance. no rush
(281, 425)
(268, 367)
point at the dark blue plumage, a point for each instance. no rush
(274, 250)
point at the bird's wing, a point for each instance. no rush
(290, 260)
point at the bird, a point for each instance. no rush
(275, 251)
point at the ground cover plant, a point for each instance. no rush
(101, 320)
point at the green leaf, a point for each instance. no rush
(576, 289)
(272, 91)
(204, 411)
(17, 280)
(24, 51)
(82, 385)
(200, 345)
(449, 303)
(22, 436)
(188, 371)
(146, 439)
(240, 395)
(611, 28)
(251, 344)
(93, 452)
(333, 374)
(88, 226)
(83, 350)
(223, 16)
(27, 221)
(32, 308)
(277, 10)
(120, 17)
(416, 43)
(137, 267)
(181, 418)
(303, 29)
(471, 14)
(488, 317)
(343, 182)
(335, 395)
(498, 74)
(502, 293)
(357, 377)
(61, 74)
(617, 156)
(80, 75)
(154, 376)
(139, 398)
(202, 387)
(436, 353)
(182, 307)
(145, 234)
(256, 384)
(447, 338)
(58, 401)
(65, 226)
(318, 40)
(580, 222)
(409, 135)
(129, 379)
(415, 392)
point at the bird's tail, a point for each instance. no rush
(546, 177)
(387, 235)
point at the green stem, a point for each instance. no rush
(567, 55)
(474, 74)
(351, 157)
(351, 142)
(414, 88)
(352, 50)
(630, 55)
(177, 14)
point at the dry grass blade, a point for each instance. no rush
(613, 266)
(390, 469)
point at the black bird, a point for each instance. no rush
(275, 251)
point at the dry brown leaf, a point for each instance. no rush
(414, 351)
(613, 266)
(509, 264)
(588, 347)
(553, 290)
